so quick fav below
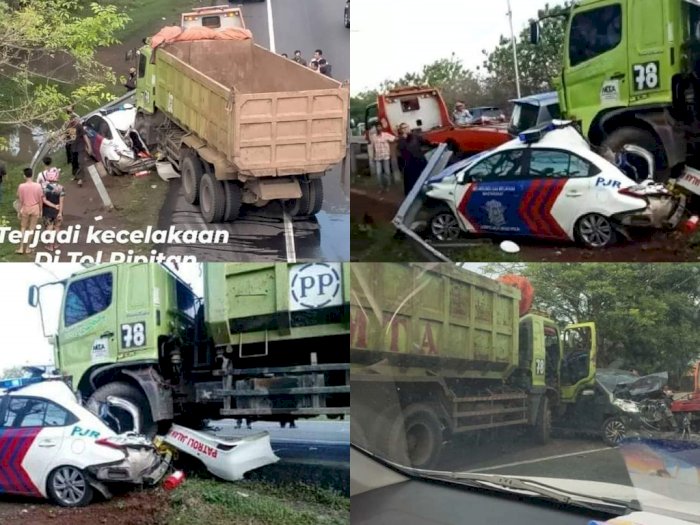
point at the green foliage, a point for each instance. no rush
(646, 314)
(494, 83)
(47, 57)
(538, 64)
(11, 373)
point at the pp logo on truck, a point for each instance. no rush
(315, 285)
(133, 335)
(646, 76)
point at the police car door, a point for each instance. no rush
(491, 194)
(30, 439)
(559, 192)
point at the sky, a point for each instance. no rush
(391, 38)
(21, 337)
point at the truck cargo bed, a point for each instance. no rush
(266, 115)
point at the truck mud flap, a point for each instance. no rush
(228, 459)
(415, 201)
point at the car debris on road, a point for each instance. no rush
(228, 459)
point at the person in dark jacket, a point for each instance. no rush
(77, 146)
(410, 148)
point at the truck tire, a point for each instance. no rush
(212, 199)
(543, 424)
(414, 438)
(124, 420)
(191, 171)
(234, 199)
(639, 137)
(315, 196)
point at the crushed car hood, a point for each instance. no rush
(644, 386)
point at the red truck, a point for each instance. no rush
(424, 109)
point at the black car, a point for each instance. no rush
(615, 404)
(346, 14)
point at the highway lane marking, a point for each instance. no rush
(549, 458)
(289, 237)
(271, 26)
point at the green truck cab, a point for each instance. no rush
(629, 74)
(261, 334)
(437, 351)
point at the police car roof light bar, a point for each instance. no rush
(10, 385)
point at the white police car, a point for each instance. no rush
(52, 447)
(547, 183)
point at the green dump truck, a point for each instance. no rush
(438, 351)
(267, 341)
(241, 124)
(631, 75)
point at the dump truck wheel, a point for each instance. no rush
(212, 199)
(543, 425)
(414, 438)
(121, 420)
(638, 137)
(192, 171)
(315, 196)
(234, 199)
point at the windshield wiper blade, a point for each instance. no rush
(518, 485)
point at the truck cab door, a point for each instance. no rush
(577, 368)
(652, 60)
(88, 325)
(596, 73)
(146, 81)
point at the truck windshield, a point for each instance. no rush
(87, 297)
(594, 32)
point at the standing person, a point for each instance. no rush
(48, 165)
(381, 150)
(3, 172)
(54, 194)
(298, 58)
(31, 197)
(130, 83)
(318, 59)
(461, 115)
(78, 146)
(410, 148)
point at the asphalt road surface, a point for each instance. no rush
(313, 442)
(584, 459)
(261, 234)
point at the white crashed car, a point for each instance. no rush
(113, 141)
(548, 183)
(52, 447)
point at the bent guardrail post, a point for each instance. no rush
(97, 181)
(412, 204)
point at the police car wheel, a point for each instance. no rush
(69, 487)
(444, 226)
(595, 231)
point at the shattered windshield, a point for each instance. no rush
(559, 374)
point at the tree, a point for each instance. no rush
(47, 57)
(359, 103)
(538, 64)
(11, 373)
(646, 314)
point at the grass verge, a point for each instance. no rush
(256, 503)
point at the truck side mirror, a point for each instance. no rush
(534, 32)
(33, 297)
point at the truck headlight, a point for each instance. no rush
(626, 406)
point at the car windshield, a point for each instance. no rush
(548, 373)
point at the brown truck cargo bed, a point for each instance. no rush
(267, 115)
